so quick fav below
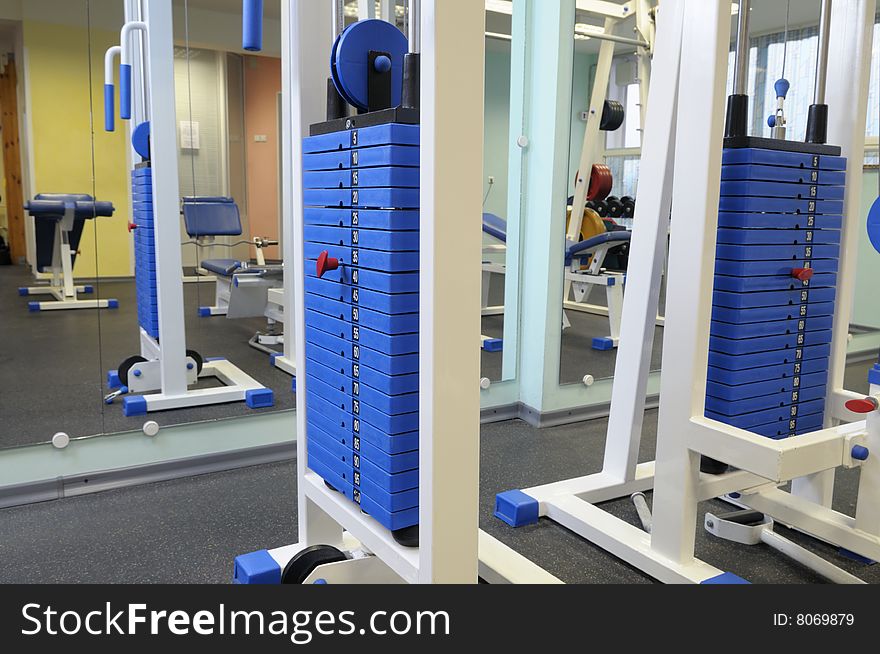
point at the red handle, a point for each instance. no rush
(866, 405)
(803, 274)
(131, 227)
(326, 263)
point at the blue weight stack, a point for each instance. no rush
(145, 250)
(361, 192)
(774, 294)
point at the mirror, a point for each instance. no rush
(49, 268)
(612, 77)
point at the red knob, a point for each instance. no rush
(803, 274)
(326, 263)
(131, 227)
(866, 405)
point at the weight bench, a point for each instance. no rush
(59, 220)
(590, 253)
(241, 289)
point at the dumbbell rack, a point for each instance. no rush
(362, 317)
(775, 287)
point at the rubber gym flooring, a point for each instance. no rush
(53, 364)
(189, 530)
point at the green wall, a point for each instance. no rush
(498, 119)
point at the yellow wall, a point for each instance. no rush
(60, 105)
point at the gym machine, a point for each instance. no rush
(763, 312)
(147, 100)
(387, 483)
(59, 221)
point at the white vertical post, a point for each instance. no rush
(166, 196)
(453, 42)
(366, 9)
(387, 11)
(648, 254)
(849, 56)
(696, 195)
(306, 28)
(593, 138)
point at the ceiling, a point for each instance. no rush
(766, 16)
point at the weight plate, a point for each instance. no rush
(353, 59)
(874, 225)
(613, 115)
(334, 74)
(197, 358)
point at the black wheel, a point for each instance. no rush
(200, 363)
(310, 559)
(408, 537)
(126, 366)
(613, 115)
(712, 467)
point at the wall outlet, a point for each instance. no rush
(261, 138)
(491, 180)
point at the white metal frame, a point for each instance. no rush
(687, 113)
(452, 549)
(147, 42)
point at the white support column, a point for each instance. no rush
(453, 41)
(306, 28)
(366, 9)
(166, 195)
(387, 11)
(592, 146)
(696, 194)
(852, 24)
(648, 255)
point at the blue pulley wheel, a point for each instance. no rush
(874, 224)
(334, 73)
(352, 60)
(140, 139)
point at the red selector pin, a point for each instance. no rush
(326, 263)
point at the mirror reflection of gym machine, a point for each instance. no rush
(147, 99)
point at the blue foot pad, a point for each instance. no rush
(724, 579)
(493, 345)
(33, 307)
(262, 398)
(134, 405)
(112, 304)
(273, 358)
(23, 292)
(293, 385)
(113, 381)
(204, 312)
(516, 508)
(212, 359)
(603, 344)
(88, 290)
(855, 557)
(874, 375)
(256, 568)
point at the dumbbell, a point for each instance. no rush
(601, 208)
(615, 206)
(629, 206)
(590, 204)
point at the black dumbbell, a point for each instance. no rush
(589, 204)
(629, 206)
(602, 208)
(615, 206)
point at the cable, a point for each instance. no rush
(785, 37)
(488, 193)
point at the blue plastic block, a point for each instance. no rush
(724, 579)
(516, 508)
(855, 557)
(212, 359)
(256, 569)
(293, 385)
(112, 304)
(874, 375)
(603, 344)
(261, 398)
(493, 345)
(134, 405)
(23, 292)
(611, 281)
(113, 381)
(204, 312)
(88, 290)
(273, 357)
(33, 307)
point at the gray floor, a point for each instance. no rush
(53, 364)
(189, 530)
